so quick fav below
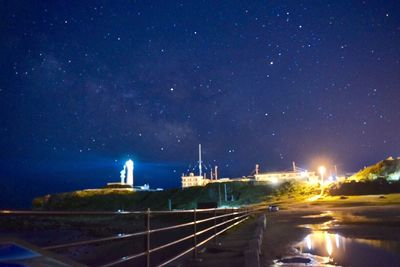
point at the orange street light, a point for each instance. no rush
(322, 171)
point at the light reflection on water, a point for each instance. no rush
(337, 250)
(331, 224)
(319, 215)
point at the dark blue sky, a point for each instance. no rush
(84, 85)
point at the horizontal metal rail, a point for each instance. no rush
(125, 236)
(67, 213)
(39, 212)
(201, 243)
(220, 224)
(220, 216)
(238, 216)
(192, 235)
(124, 259)
(94, 241)
(171, 243)
(128, 258)
(191, 223)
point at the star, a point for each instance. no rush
(92, 83)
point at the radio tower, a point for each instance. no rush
(200, 163)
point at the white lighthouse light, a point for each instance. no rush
(129, 169)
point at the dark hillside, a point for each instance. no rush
(238, 193)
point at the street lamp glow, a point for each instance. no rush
(322, 170)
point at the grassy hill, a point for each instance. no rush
(380, 178)
(388, 169)
(239, 193)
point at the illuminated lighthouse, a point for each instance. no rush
(127, 172)
(129, 169)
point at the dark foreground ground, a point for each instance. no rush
(371, 218)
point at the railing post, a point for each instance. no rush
(194, 234)
(147, 237)
(215, 224)
(225, 217)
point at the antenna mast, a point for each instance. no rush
(200, 163)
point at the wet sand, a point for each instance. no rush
(288, 227)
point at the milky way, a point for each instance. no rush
(85, 86)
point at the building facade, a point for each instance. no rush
(279, 177)
(193, 180)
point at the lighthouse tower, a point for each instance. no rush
(129, 169)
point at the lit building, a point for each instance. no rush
(297, 174)
(192, 180)
(279, 177)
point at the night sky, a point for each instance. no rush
(84, 86)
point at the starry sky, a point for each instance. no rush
(85, 85)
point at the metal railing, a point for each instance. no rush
(220, 219)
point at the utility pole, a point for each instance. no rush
(169, 204)
(219, 194)
(225, 195)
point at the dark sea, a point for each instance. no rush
(20, 183)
